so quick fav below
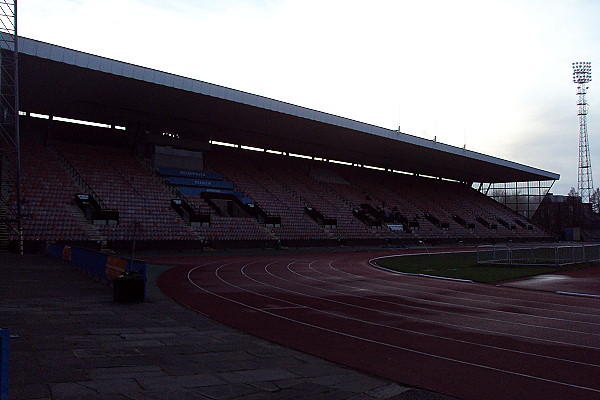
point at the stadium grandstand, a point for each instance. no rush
(112, 152)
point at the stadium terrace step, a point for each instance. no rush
(405, 208)
(187, 212)
(91, 231)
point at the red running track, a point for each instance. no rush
(466, 340)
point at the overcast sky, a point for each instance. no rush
(494, 75)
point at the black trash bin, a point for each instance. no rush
(129, 288)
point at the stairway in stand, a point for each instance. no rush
(91, 230)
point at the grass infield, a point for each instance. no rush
(464, 266)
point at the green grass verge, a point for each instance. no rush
(461, 266)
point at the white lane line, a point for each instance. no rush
(298, 307)
(493, 297)
(389, 345)
(460, 327)
(445, 278)
(442, 303)
(595, 296)
(266, 268)
(434, 322)
(422, 289)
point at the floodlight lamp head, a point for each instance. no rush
(582, 72)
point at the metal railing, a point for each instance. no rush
(126, 179)
(556, 255)
(79, 179)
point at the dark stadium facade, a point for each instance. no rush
(288, 174)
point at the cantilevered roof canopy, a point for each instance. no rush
(67, 83)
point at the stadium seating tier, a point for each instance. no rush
(365, 204)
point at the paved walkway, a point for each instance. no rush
(72, 342)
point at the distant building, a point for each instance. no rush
(568, 218)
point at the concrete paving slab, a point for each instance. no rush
(75, 343)
(228, 391)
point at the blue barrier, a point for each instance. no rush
(53, 251)
(90, 261)
(4, 338)
(104, 267)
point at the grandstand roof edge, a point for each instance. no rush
(78, 58)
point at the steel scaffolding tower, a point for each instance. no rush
(582, 75)
(10, 164)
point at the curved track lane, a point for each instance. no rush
(466, 340)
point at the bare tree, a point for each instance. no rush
(573, 193)
(595, 200)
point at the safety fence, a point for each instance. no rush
(4, 346)
(103, 266)
(557, 255)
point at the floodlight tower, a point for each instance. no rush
(582, 75)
